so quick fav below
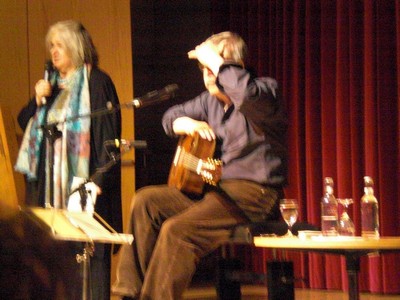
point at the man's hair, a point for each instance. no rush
(77, 42)
(234, 48)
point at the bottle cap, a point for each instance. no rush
(328, 181)
(368, 181)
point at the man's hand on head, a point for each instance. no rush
(208, 55)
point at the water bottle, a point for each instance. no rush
(369, 211)
(329, 210)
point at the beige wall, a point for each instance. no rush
(23, 25)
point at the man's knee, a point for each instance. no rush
(173, 228)
(143, 199)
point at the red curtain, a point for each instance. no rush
(338, 65)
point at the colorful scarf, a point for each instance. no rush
(72, 150)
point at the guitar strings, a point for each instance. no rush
(190, 161)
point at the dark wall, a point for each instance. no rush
(163, 33)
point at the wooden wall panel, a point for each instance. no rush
(10, 180)
(14, 78)
(14, 67)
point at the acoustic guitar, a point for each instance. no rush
(193, 165)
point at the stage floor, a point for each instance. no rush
(259, 292)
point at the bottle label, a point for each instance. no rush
(329, 218)
(369, 219)
(329, 225)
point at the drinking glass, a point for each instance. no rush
(346, 225)
(288, 208)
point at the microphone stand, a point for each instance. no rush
(83, 193)
(51, 133)
(88, 249)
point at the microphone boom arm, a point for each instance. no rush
(153, 97)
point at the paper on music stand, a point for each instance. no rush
(74, 201)
(94, 230)
(78, 226)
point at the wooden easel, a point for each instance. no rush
(12, 186)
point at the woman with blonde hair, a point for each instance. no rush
(75, 87)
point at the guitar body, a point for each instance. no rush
(181, 175)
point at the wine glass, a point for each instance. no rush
(288, 208)
(346, 225)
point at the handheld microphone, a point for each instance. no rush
(48, 68)
(153, 97)
(118, 143)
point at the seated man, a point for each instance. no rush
(173, 230)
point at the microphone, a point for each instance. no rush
(48, 68)
(153, 97)
(126, 143)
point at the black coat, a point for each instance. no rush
(102, 128)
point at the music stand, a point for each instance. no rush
(79, 227)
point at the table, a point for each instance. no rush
(350, 247)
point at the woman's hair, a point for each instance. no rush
(77, 42)
(233, 47)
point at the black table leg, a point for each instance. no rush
(353, 268)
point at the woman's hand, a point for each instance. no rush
(97, 189)
(42, 89)
(189, 126)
